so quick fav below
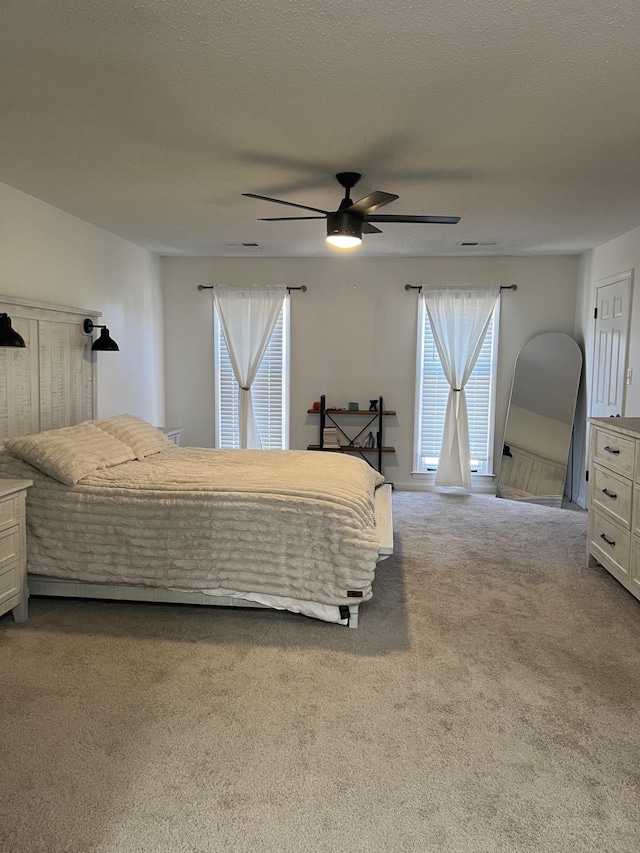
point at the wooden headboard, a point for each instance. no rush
(52, 382)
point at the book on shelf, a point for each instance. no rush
(330, 437)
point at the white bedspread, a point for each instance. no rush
(288, 523)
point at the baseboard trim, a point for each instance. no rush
(480, 489)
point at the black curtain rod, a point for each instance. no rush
(419, 287)
(289, 289)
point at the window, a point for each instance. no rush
(432, 392)
(269, 392)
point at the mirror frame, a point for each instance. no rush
(545, 499)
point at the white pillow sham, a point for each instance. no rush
(143, 438)
(70, 453)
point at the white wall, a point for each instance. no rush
(49, 256)
(616, 256)
(353, 332)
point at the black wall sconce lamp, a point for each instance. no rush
(8, 335)
(105, 342)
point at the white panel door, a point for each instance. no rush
(610, 346)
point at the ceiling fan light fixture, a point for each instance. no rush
(343, 241)
(346, 225)
(344, 230)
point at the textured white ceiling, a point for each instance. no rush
(150, 118)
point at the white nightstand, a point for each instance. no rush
(173, 434)
(13, 548)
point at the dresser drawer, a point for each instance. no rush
(9, 512)
(9, 546)
(610, 544)
(614, 451)
(634, 572)
(13, 569)
(612, 494)
(10, 582)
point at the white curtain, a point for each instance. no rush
(459, 319)
(248, 316)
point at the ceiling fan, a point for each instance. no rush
(352, 219)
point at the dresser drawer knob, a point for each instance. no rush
(608, 541)
(611, 450)
(609, 494)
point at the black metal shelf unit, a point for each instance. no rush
(351, 445)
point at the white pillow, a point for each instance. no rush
(143, 438)
(70, 453)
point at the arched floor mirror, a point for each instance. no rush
(539, 423)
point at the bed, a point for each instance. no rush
(290, 530)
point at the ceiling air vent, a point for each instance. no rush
(245, 245)
(475, 243)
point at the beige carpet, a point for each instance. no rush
(488, 702)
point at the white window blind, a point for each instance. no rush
(269, 392)
(433, 392)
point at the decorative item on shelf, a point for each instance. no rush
(316, 405)
(369, 441)
(8, 335)
(373, 405)
(353, 407)
(105, 342)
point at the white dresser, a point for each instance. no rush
(13, 548)
(614, 499)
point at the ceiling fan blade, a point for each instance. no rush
(287, 218)
(442, 220)
(367, 228)
(280, 201)
(371, 202)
